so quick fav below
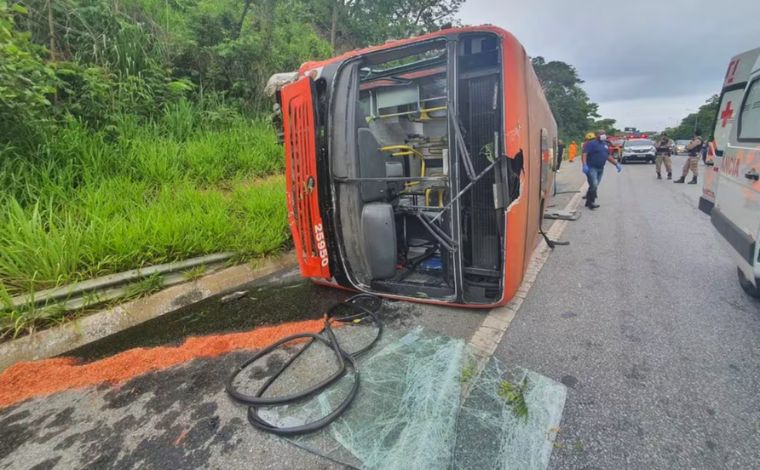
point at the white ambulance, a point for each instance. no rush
(731, 193)
(737, 75)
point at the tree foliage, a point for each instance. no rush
(26, 81)
(96, 61)
(607, 124)
(575, 113)
(355, 23)
(703, 120)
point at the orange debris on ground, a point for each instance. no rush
(39, 378)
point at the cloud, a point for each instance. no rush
(660, 57)
(652, 114)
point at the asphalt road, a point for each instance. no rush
(643, 318)
(640, 316)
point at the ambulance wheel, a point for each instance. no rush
(751, 289)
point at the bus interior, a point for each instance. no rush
(426, 188)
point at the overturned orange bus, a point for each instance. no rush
(419, 169)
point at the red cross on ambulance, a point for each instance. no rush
(726, 115)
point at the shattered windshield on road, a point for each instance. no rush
(423, 404)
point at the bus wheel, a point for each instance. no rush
(749, 288)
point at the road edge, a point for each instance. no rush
(81, 331)
(487, 337)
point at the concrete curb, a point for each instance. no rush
(76, 333)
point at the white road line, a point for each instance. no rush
(486, 338)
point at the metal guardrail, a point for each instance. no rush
(112, 286)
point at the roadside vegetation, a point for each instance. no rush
(703, 121)
(136, 132)
(96, 207)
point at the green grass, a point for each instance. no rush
(194, 273)
(146, 286)
(88, 204)
(514, 395)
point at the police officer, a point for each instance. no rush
(664, 146)
(595, 154)
(694, 148)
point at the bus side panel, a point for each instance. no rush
(516, 132)
(539, 119)
(526, 113)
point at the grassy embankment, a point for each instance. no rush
(89, 204)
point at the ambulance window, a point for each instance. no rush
(749, 119)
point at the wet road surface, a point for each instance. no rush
(641, 316)
(280, 297)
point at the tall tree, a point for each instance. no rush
(572, 108)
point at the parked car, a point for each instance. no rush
(681, 146)
(637, 149)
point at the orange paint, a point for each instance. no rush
(26, 380)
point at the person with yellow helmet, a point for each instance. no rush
(589, 137)
(596, 153)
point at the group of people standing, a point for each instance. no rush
(664, 151)
(595, 154)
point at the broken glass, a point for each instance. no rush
(423, 404)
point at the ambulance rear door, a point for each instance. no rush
(735, 81)
(737, 205)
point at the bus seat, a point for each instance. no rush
(371, 165)
(378, 228)
(394, 169)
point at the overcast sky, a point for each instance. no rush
(648, 63)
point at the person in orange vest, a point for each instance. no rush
(572, 151)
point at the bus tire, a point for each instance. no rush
(747, 286)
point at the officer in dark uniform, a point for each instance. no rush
(692, 164)
(664, 146)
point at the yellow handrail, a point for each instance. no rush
(403, 150)
(424, 112)
(440, 196)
